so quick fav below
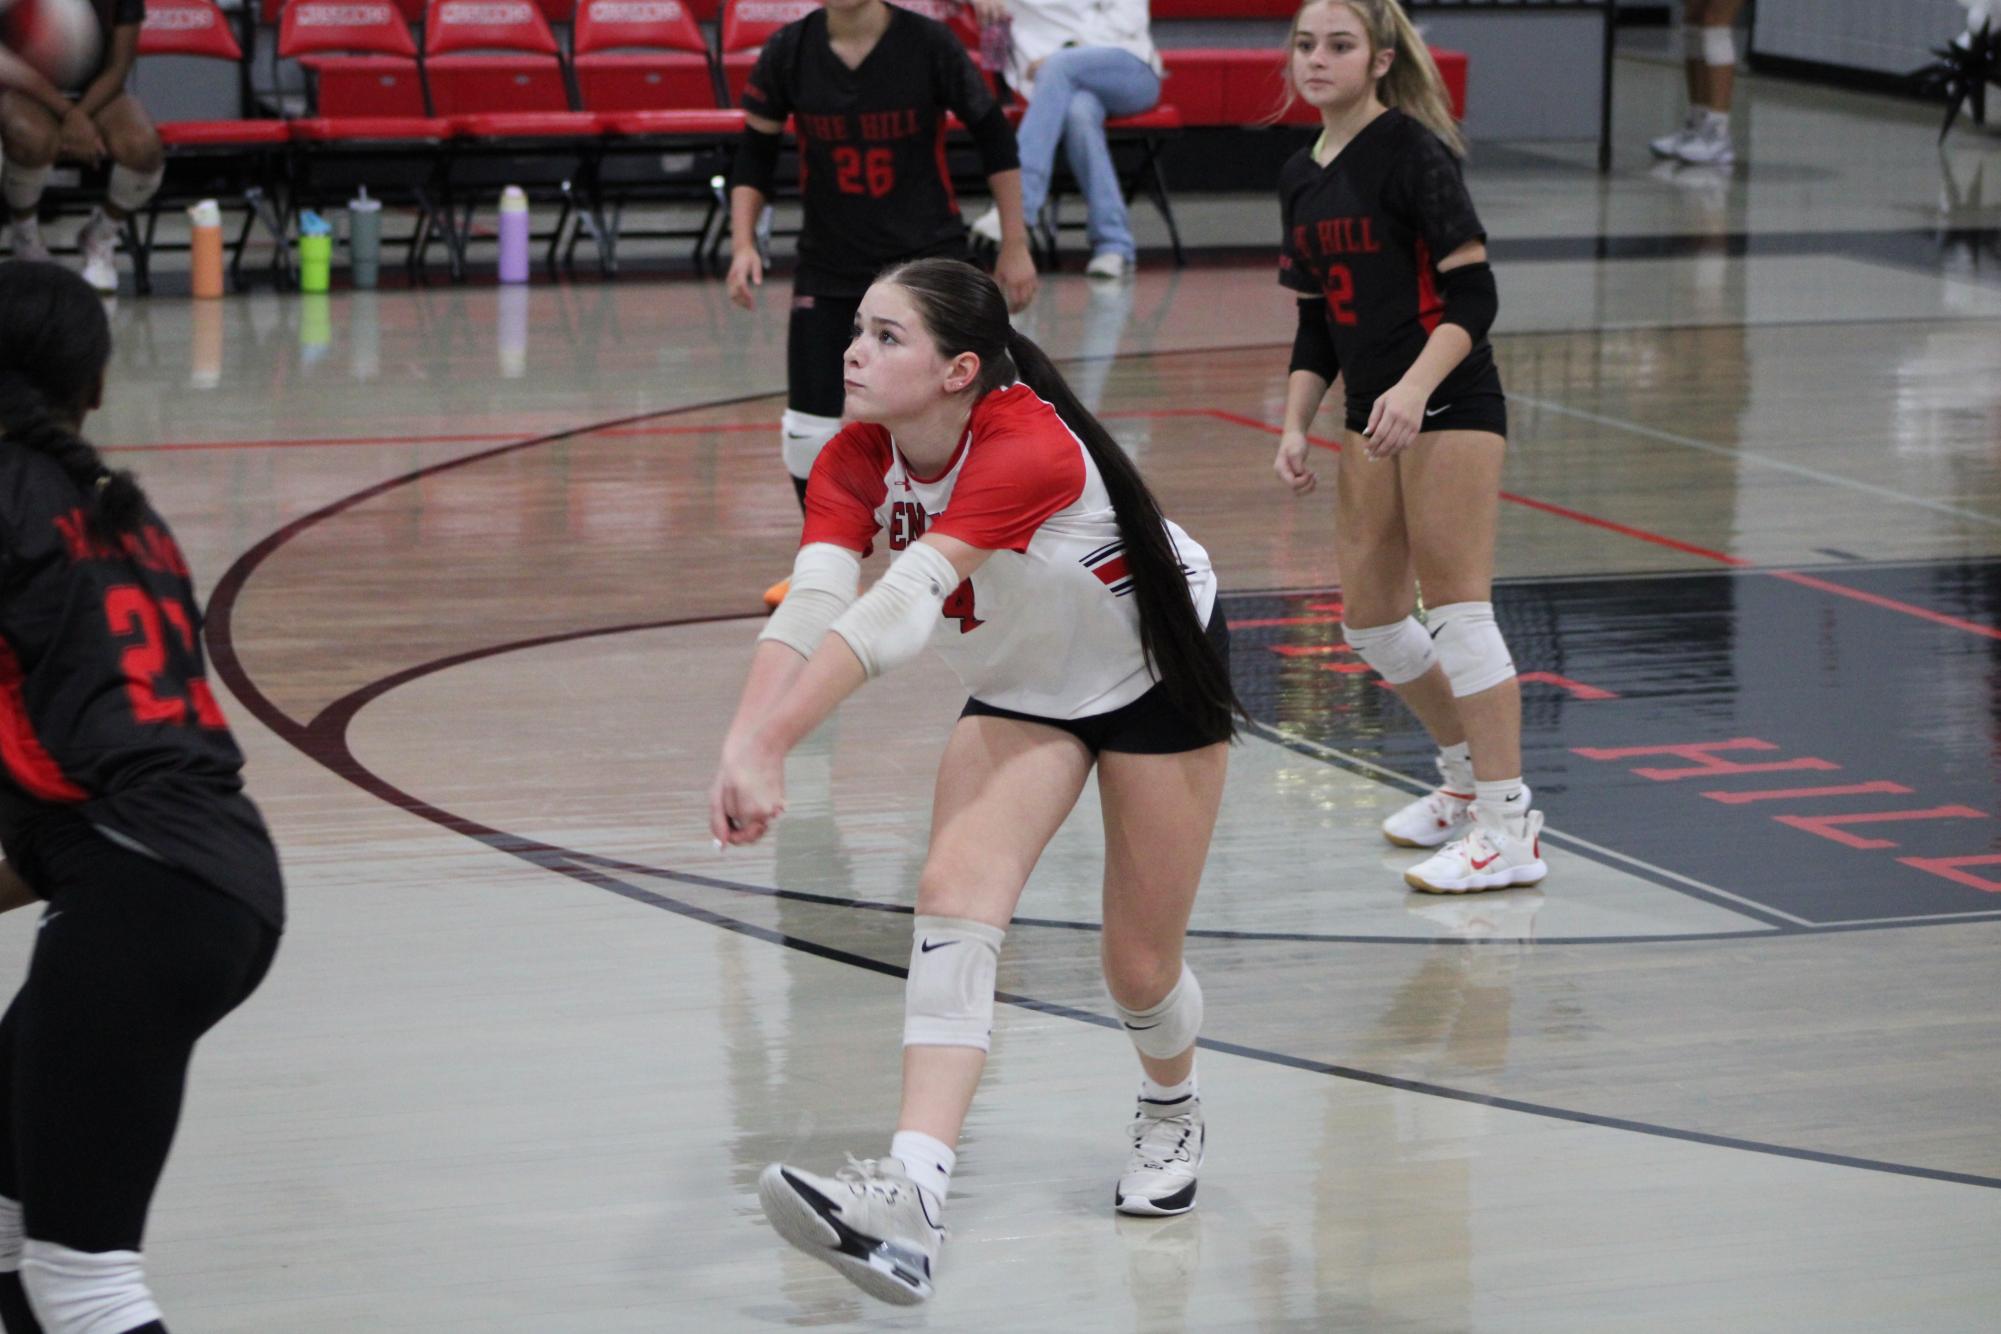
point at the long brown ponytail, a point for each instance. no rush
(965, 312)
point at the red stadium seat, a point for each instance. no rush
(639, 55)
(747, 26)
(205, 157)
(489, 57)
(495, 70)
(358, 54)
(370, 123)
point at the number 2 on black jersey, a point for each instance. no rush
(1340, 286)
(135, 616)
(872, 173)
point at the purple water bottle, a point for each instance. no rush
(513, 235)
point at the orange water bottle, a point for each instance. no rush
(205, 247)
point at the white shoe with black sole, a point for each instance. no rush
(869, 1221)
(1159, 1179)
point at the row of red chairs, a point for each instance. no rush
(491, 81)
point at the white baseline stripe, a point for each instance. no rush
(1759, 460)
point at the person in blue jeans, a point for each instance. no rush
(1077, 62)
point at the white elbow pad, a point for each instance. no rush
(892, 622)
(824, 579)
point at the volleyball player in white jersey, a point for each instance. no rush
(1085, 627)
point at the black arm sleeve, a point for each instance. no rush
(1313, 346)
(756, 160)
(1470, 299)
(994, 137)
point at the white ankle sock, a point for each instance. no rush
(1455, 763)
(1152, 1092)
(928, 1160)
(1507, 798)
(86, 1290)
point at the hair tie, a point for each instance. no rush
(103, 480)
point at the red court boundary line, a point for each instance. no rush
(1218, 414)
(478, 438)
(1643, 535)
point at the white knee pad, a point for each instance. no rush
(948, 1000)
(10, 1235)
(86, 1292)
(129, 190)
(805, 436)
(22, 186)
(1400, 653)
(1718, 47)
(1470, 645)
(1169, 1028)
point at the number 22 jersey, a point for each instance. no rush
(104, 710)
(1047, 626)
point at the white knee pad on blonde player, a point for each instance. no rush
(1400, 653)
(1713, 46)
(805, 436)
(1169, 1028)
(86, 1292)
(948, 1000)
(22, 186)
(1470, 646)
(130, 191)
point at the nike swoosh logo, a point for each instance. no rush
(1139, 1028)
(1479, 865)
(926, 947)
(1433, 412)
(46, 919)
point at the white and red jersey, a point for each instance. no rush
(1047, 625)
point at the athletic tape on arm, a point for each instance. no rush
(824, 579)
(892, 622)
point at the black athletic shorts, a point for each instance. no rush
(1150, 725)
(1477, 405)
(816, 342)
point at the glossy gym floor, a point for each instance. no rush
(483, 569)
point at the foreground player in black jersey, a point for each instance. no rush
(867, 86)
(1383, 244)
(122, 806)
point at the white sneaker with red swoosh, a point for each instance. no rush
(1489, 857)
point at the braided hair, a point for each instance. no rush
(54, 345)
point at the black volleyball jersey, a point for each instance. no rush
(871, 144)
(104, 711)
(1365, 233)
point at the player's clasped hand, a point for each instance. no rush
(1291, 463)
(746, 272)
(80, 140)
(1394, 422)
(748, 795)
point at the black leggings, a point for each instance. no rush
(133, 962)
